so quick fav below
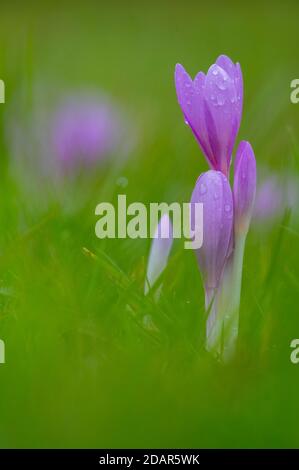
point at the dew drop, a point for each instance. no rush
(215, 71)
(220, 100)
(216, 196)
(122, 181)
(227, 208)
(221, 85)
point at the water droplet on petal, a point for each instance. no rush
(220, 100)
(216, 195)
(215, 71)
(221, 85)
(227, 208)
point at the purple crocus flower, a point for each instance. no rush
(212, 189)
(274, 195)
(244, 186)
(269, 199)
(159, 253)
(212, 107)
(85, 130)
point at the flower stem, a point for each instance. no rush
(223, 321)
(231, 318)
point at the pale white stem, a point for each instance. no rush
(212, 326)
(231, 311)
(223, 321)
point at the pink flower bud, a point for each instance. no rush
(212, 189)
(244, 186)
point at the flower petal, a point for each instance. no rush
(244, 186)
(213, 190)
(220, 97)
(190, 99)
(226, 64)
(212, 107)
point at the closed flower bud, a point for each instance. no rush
(244, 187)
(212, 189)
(160, 249)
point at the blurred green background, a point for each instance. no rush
(83, 368)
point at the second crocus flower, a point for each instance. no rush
(212, 189)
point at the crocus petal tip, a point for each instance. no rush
(244, 186)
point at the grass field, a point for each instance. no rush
(91, 362)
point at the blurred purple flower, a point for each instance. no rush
(212, 107)
(84, 131)
(213, 190)
(53, 138)
(274, 195)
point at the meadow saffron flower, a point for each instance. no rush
(84, 131)
(58, 138)
(212, 107)
(275, 194)
(212, 189)
(62, 145)
(244, 187)
(159, 253)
